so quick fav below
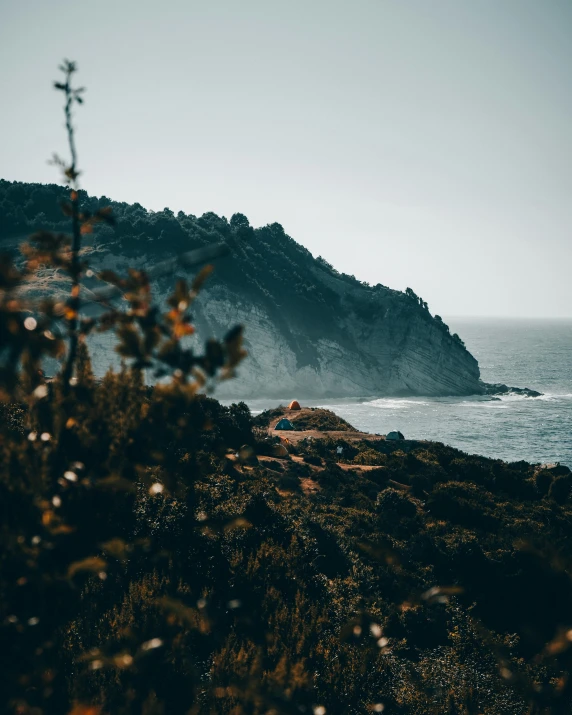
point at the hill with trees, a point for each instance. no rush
(311, 328)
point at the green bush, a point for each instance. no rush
(370, 457)
(393, 503)
(560, 489)
(543, 480)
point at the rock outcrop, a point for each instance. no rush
(499, 388)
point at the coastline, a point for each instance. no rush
(510, 428)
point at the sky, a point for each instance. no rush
(421, 143)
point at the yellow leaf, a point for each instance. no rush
(182, 329)
(85, 710)
(47, 517)
(62, 529)
(201, 278)
(91, 563)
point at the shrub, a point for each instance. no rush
(560, 489)
(274, 465)
(313, 459)
(393, 503)
(370, 457)
(461, 503)
(289, 482)
(542, 481)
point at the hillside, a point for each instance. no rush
(309, 328)
(404, 576)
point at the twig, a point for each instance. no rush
(71, 173)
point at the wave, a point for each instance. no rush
(546, 397)
(486, 404)
(387, 403)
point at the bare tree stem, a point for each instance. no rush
(75, 267)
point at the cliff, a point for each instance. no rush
(310, 329)
(369, 345)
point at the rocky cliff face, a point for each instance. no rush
(397, 352)
(376, 342)
(310, 330)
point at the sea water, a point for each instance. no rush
(521, 353)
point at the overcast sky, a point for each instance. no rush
(422, 143)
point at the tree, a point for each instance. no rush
(238, 221)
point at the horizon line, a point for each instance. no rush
(507, 317)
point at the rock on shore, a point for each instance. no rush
(499, 388)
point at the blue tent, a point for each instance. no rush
(284, 424)
(396, 434)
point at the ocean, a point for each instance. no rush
(520, 353)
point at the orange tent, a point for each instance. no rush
(294, 405)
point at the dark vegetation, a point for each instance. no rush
(147, 569)
(268, 268)
(267, 255)
(435, 582)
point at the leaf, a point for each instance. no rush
(186, 614)
(239, 523)
(62, 529)
(87, 325)
(85, 710)
(180, 296)
(152, 338)
(109, 276)
(182, 329)
(116, 482)
(234, 349)
(67, 208)
(47, 517)
(199, 280)
(105, 214)
(129, 345)
(115, 547)
(383, 552)
(93, 564)
(440, 594)
(233, 334)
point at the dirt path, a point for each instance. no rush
(296, 436)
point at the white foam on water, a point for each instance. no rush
(551, 397)
(386, 403)
(484, 404)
